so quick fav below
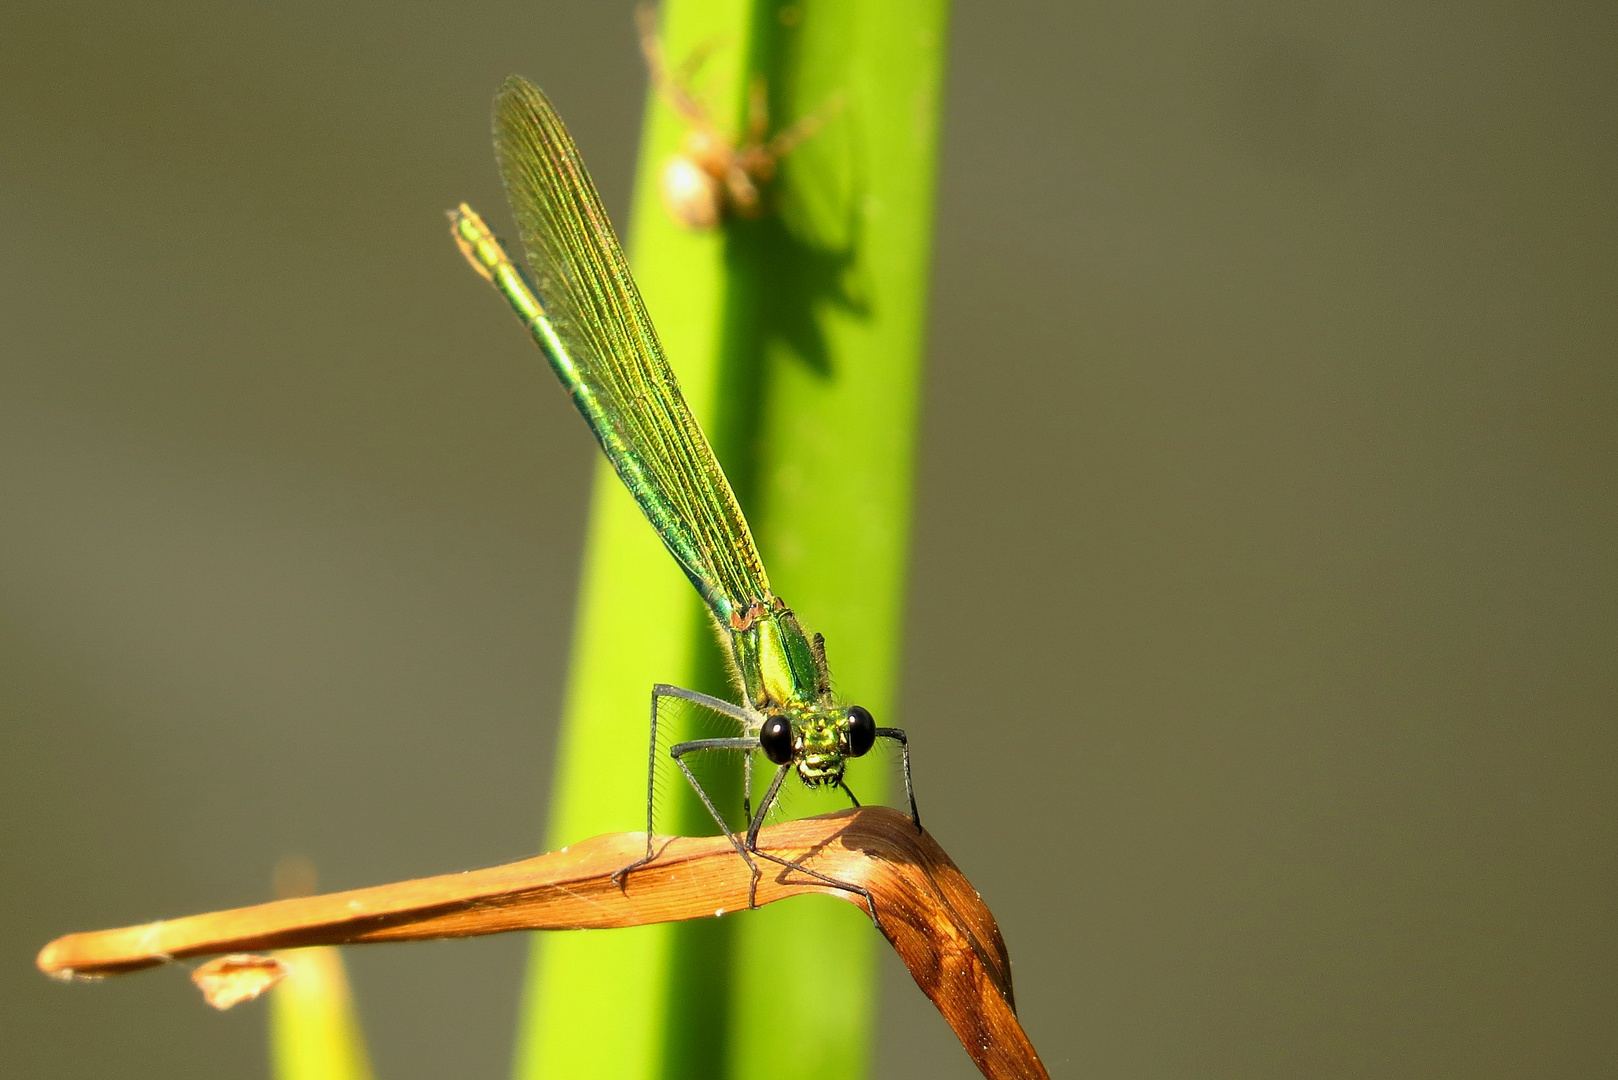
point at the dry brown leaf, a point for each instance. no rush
(925, 907)
(231, 980)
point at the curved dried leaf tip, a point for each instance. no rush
(925, 907)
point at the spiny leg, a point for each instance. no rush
(898, 735)
(754, 823)
(663, 690)
(747, 787)
(743, 743)
(791, 864)
(746, 849)
(672, 85)
(805, 128)
(754, 163)
(707, 701)
(687, 69)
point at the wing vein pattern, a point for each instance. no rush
(609, 357)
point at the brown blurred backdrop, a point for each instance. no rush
(1263, 621)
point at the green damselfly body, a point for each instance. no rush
(580, 304)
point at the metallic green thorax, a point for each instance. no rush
(778, 664)
(593, 328)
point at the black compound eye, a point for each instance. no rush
(861, 731)
(775, 739)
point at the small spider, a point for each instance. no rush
(710, 176)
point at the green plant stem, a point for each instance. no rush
(314, 1032)
(797, 340)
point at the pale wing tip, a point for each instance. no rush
(518, 94)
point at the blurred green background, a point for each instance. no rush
(1260, 662)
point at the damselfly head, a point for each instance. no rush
(818, 742)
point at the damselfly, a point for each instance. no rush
(581, 306)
